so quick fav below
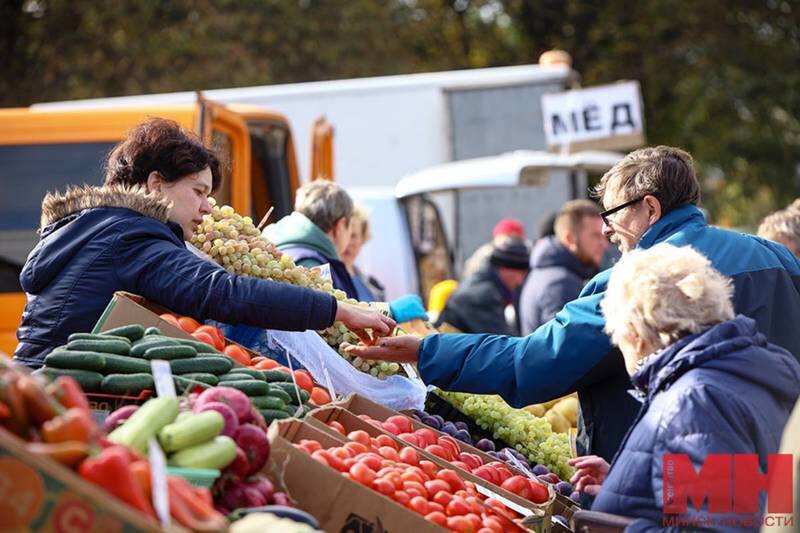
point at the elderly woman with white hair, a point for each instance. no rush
(709, 381)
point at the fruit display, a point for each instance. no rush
(531, 436)
(562, 413)
(234, 242)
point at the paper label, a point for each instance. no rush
(516, 463)
(162, 375)
(325, 271)
(505, 501)
(411, 370)
(158, 479)
(299, 412)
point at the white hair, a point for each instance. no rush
(663, 294)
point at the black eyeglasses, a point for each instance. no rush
(608, 212)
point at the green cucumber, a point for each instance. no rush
(267, 402)
(252, 372)
(127, 384)
(146, 422)
(271, 415)
(168, 353)
(289, 389)
(200, 346)
(93, 337)
(203, 377)
(140, 347)
(122, 364)
(276, 376)
(100, 345)
(202, 363)
(290, 408)
(191, 430)
(77, 360)
(88, 380)
(251, 387)
(237, 376)
(277, 392)
(152, 330)
(183, 384)
(217, 454)
(132, 332)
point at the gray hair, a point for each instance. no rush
(782, 226)
(663, 294)
(661, 171)
(324, 203)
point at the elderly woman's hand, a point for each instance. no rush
(590, 472)
(402, 349)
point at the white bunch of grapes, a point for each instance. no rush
(236, 244)
(530, 435)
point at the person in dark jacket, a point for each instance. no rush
(478, 305)
(317, 229)
(691, 362)
(129, 235)
(651, 197)
(562, 263)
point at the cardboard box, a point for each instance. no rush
(341, 505)
(38, 494)
(539, 514)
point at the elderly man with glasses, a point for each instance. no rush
(651, 196)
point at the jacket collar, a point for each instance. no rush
(677, 219)
(57, 206)
(549, 252)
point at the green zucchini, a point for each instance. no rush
(252, 372)
(203, 377)
(214, 454)
(202, 363)
(152, 330)
(122, 364)
(146, 422)
(289, 389)
(168, 353)
(276, 376)
(140, 347)
(132, 332)
(273, 414)
(277, 392)
(237, 376)
(191, 430)
(77, 360)
(200, 346)
(251, 387)
(267, 402)
(88, 380)
(127, 384)
(94, 337)
(101, 345)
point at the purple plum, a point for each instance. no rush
(575, 496)
(564, 487)
(463, 436)
(540, 470)
(462, 425)
(431, 421)
(485, 445)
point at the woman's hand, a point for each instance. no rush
(358, 319)
(402, 349)
(590, 472)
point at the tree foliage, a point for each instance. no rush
(718, 78)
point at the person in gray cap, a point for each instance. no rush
(479, 304)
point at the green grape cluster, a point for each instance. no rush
(236, 244)
(530, 435)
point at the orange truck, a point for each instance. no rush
(46, 149)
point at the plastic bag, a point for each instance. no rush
(308, 348)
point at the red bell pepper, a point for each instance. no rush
(111, 470)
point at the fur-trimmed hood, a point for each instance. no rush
(57, 206)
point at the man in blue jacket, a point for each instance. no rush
(650, 197)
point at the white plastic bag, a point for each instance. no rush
(308, 348)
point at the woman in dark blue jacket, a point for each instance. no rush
(709, 383)
(129, 236)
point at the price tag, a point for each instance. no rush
(158, 479)
(325, 271)
(299, 410)
(505, 501)
(411, 370)
(328, 382)
(162, 375)
(516, 463)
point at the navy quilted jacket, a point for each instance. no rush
(725, 390)
(96, 241)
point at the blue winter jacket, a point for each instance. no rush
(701, 396)
(556, 277)
(96, 241)
(571, 352)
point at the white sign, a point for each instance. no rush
(609, 116)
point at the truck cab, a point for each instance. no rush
(48, 148)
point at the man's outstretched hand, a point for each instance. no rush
(358, 319)
(403, 349)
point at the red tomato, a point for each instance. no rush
(473, 460)
(474, 521)
(449, 443)
(401, 497)
(337, 426)
(386, 440)
(342, 453)
(438, 451)
(539, 493)
(389, 453)
(304, 380)
(410, 456)
(281, 368)
(188, 324)
(330, 459)
(409, 438)
(436, 486)
(202, 336)
(172, 319)
(310, 445)
(433, 506)
(457, 507)
(237, 353)
(474, 505)
(429, 468)
(410, 475)
(493, 524)
(451, 478)
(371, 460)
(459, 524)
(443, 498)
(403, 423)
(391, 428)
(426, 436)
(487, 473)
(266, 364)
(437, 517)
(384, 486)
(360, 436)
(419, 505)
(356, 447)
(519, 485)
(216, 334)
(362, 474)
(461, 465)
(320, 396)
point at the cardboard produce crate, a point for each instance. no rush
(538, 515)
(340, 505)
(38, 494)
